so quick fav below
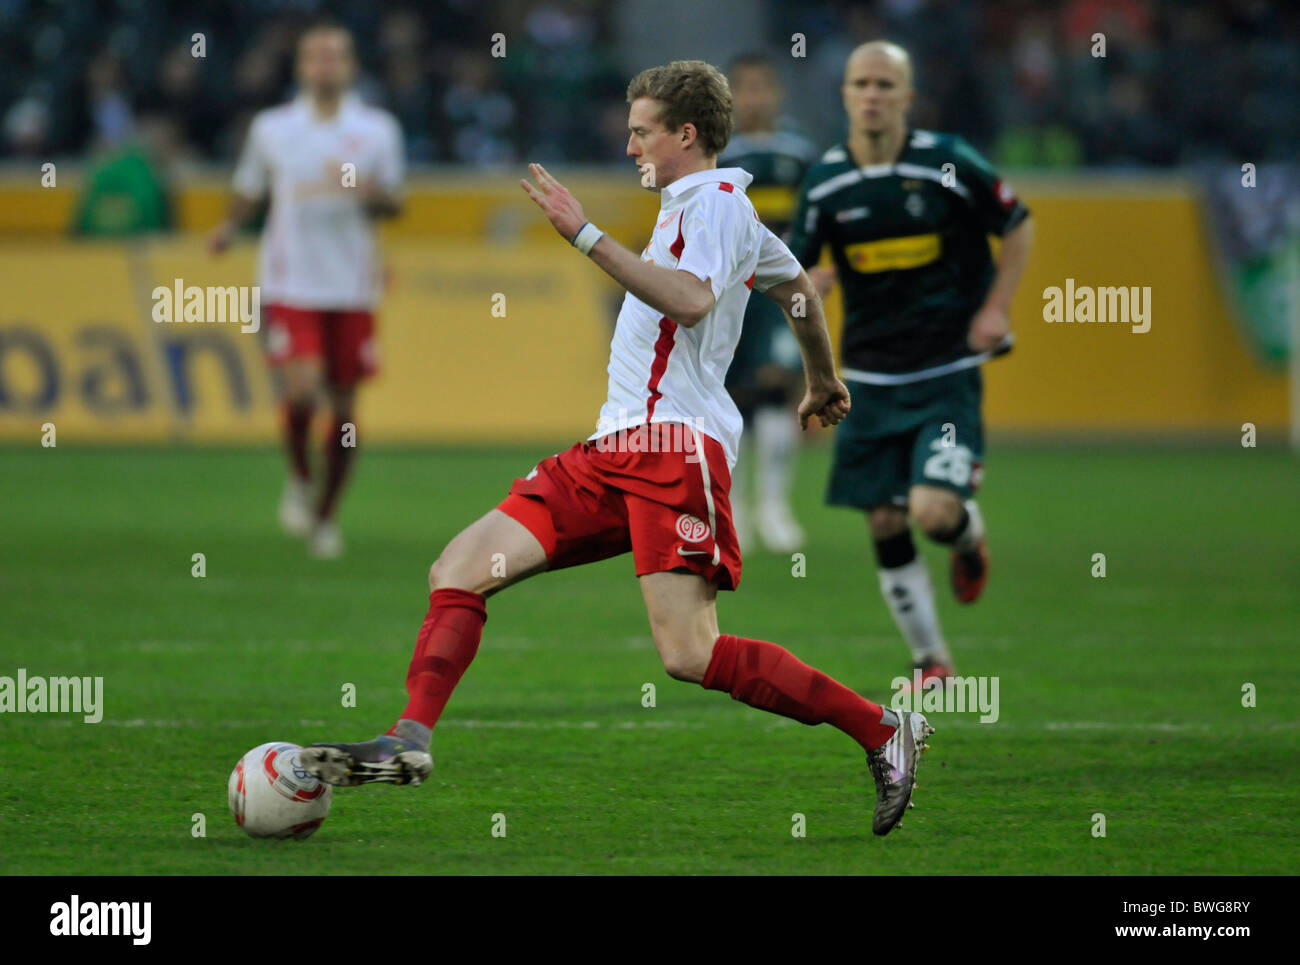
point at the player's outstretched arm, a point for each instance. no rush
(379, 203)
(241, 212)
(679, 295)
(827, 397)
(992, 323)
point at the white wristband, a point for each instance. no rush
(587, 237)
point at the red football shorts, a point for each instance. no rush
(600, 499)
(343, 340)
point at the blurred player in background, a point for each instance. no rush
(331, 165)
(906, 214)
(766, 376)
(666, 502)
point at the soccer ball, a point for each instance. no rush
(271, 796)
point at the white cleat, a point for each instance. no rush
(325, 542)
(295, 508)
(893, 767)
(777, 528)
(386, 759)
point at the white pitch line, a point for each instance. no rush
(945, 720)
(162, 724)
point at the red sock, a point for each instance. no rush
(771, 678)
(338, 460)
(297, 421)
(447, 643)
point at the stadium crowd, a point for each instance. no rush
(1181, 81)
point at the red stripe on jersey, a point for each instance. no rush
(663, 345)
(749, 282)
(679, 245)
(724, 186)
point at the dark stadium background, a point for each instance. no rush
(1166, 452)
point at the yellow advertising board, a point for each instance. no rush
(493, 330)
(1191, 371)
(477, 343)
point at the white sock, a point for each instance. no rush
(775, 441)
(974, 531)
(910, 597)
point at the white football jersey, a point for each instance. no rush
(319, 248)
(660, 371)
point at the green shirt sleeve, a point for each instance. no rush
(807, 236)
(995, 203)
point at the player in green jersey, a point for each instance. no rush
(766, 376)
(907, 214)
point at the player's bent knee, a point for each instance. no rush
(302, 385)
(436, 575)
(886, 521)
(445, 575)
(686, 666)
(300, 393)
(936, 512)
(686, 655)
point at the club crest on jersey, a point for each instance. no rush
(691, 528)
(914, 205)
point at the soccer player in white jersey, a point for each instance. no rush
(331, 166)
(653, 478)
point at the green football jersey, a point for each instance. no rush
(910, 244)
(777, 161)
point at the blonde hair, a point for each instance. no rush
(690, 91)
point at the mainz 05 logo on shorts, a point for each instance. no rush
(691, 528)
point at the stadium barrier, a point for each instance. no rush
(492, 330)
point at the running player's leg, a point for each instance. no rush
(775, 428)
(938, 512)
(339, 444)
(946, 470)
(294, 345)
(905, 584)
(742, 386)
(485, 557)
(776, 449)
(947, 518)
(348, 342)
(682, 609)
(871, 472)
(552, 518)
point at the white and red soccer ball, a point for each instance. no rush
(271, 796)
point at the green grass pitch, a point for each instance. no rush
(1120, 696)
